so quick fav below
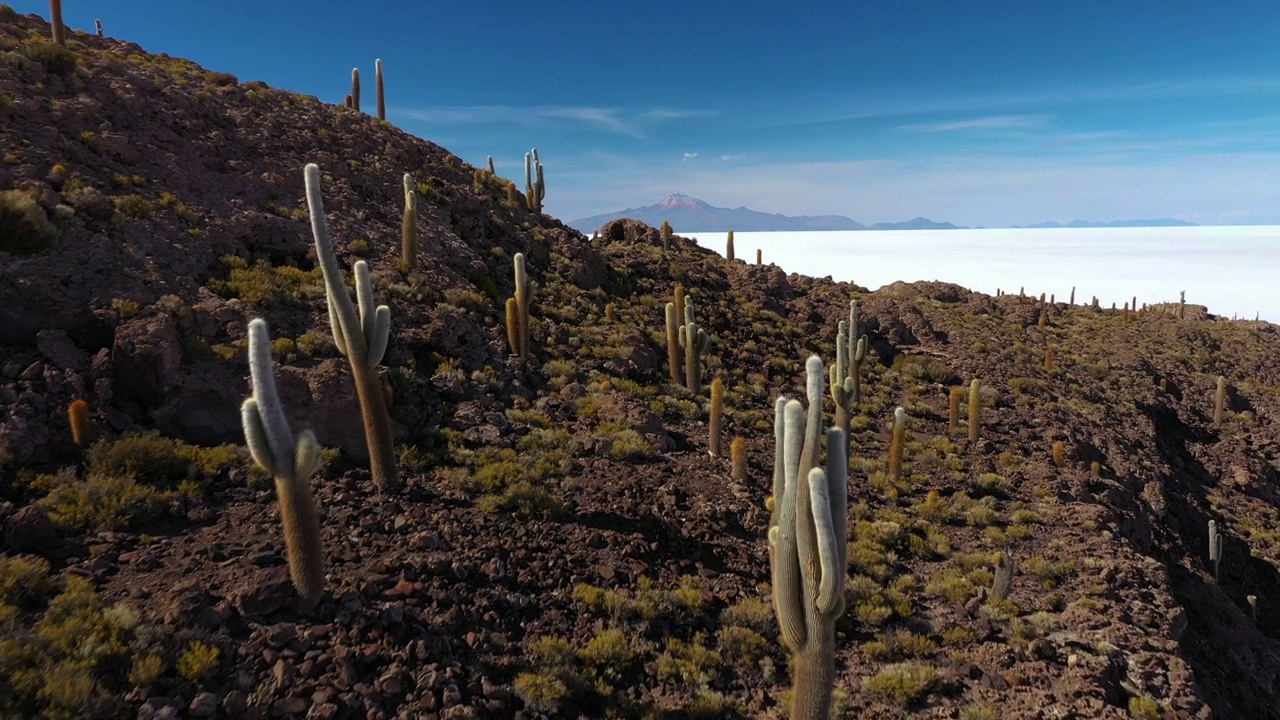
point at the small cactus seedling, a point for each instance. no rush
(1215, 547)
(1005, 566)
(409, 226)
(975, 408)
(271, 444)
(808, 544)
(355, 89)
(78, 418)
(381, 96)
(716, 424)
(360, 332)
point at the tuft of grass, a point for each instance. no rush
(25, 228)
(902, 684)
(55, 58)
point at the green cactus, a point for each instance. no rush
(409, 226)
(535, 189)
(355, 89)
(694, 340)
(1002, 580)
(523, 298)
(360, 334)
(491, 170)
(808, 551)
(843, 384)
(271, 444)
(377, 81)
(665, 234)
(717, 417)
(896, 442)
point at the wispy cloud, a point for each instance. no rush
(991, 122)
(690, 155)
(727, 158)
(621, 121)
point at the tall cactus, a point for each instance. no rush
(673, 342)
(897, 441)
(808, 552)
(842, 384)
(975, 408)
(361, 335)
(523, 299)
(409, 226)
(382, 98)
(728, 247)
(271, 444)
(716, 423)
(535, 189)
(694, 340)
(355, 89)
(55, 20)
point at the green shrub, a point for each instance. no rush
(902, 684)
(25, 228)
(55, 58)
(198, 660)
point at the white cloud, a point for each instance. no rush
(739, 156)
(690, 155)
(993, 122)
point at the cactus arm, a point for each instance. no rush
(340, 306)
(820, 505)
(381, 333)
(273, 425)
(364, 301)
(787, 585)
(255, 436)
(779, 464)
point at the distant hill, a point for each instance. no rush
(1160, 222)
(689, 214)
(920, 223)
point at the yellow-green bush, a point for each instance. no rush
(25, 228)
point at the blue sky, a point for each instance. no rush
(981, 113)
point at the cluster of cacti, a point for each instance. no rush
(270, 441)
(1215, 547)
(78, 418)
(360, 334)
(382, 98)
(808, 543)
(55, 19)
(728, 248)
(409, 226)
(535, 189)
(694, 340)
(715, 426)
(518, 329)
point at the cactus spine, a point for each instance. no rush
(409, 226)
(808, 536)
(523, 299)
(694, 340)
(535, 189)
(975, 407)
(1219, 402)
(728, 248)
(55, 19)
(78, 418)
(382, 98)
(1215, 547)
(270, 441)
(360, 333)
(355, 89)
(717, 417)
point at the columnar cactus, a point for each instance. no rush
(808, 544)
(270, 441)
(1002, 582)
(975, 406)
(97, 25)
(535, 189)
(382, 98)
(355, 89)
(55, 19)
(523, 300)
(896, 443)
(953, 415)
(738, 459)
(759, 257)
(842, 385)
(728, 247)
(665, 234)
(78, 418)
(694, 340)
(1219, 401)
(673, 342)
(360, 333)
(717, 417)
(1215, 547)
(492, 171)
(409, 226)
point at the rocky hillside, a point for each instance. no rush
(564, 545)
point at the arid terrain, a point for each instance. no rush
(564, 545)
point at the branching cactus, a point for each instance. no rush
(694, 340)
(842, 384)
(409, 226)
(361, 335)
(519, 305)
(534, 187)
(382, 98)
(271, 444)
(808, 552)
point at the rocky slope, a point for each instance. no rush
(564, 545)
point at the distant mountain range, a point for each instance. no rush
(691, 214)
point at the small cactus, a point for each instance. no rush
(896, 443)
(673, 342)
(535, 188)
(1219, 402)
(738, 459)
(665, 234)
(1005, 566)
(409, 226)
(759, 257)
(523, 300)
(492, 171)
(355, 89)
(717, 417)
(728, 249)
(270, 441)
(55, 20)
(382, 98)
(1057, 452)
(975, 407)
(953, 415)
(78, 418)
(695, 341)
(1215, 547)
